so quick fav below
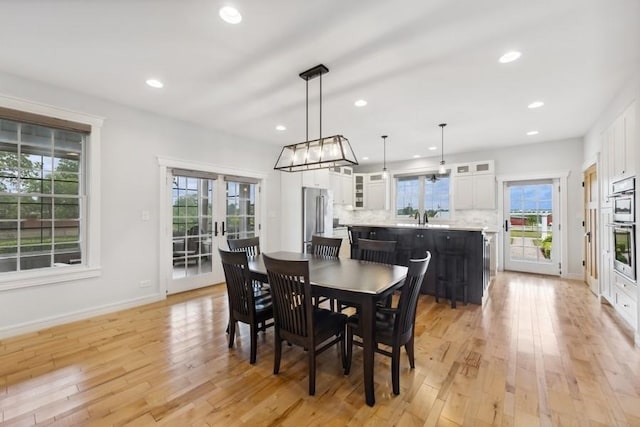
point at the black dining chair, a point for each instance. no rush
(244, 306)
(250, 245)
(297, 320)
(380, 251)
(394, 326)
(326, 247)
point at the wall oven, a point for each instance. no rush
(623, 227)
(623, 200)
(624, 247)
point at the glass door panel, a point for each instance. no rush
(530, 207)
(241, 210)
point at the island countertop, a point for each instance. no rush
(429, 226)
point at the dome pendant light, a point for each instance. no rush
(385, 173)
(442, 170)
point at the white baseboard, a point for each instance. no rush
(39, 324)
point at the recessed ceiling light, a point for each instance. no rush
(365, 158)
(532, 132)
(509, 57)
(433, 148)
(155, 83)
(536, 104)
(230, 15)
(281, 127)
(360, 103)
(416, 156)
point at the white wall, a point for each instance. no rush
(523, 160)
(131, 142)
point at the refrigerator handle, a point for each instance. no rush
(321, 219)
(318, 208)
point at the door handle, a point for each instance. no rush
(215, 229)
(506, 225)
(223, 230)
(588, 236)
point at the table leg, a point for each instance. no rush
(368, 344)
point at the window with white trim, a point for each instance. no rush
(427, 192)
(41, 187)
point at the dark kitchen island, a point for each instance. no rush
(414, 240)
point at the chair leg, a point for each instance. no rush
(277, 354)
(232, 331)
(254, 343)
(342, 349)
(409, 348)
(395, 369)
(349, 352)
(312, 371)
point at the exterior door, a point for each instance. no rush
(532, 240)
(591, 229)
(195, 231)
(206, 210)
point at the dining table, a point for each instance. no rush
(360, 283)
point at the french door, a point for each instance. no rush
(531, 238)
(591, 229)
(206, 209)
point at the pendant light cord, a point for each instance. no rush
(321, 108)
(307, 109)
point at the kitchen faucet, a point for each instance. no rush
(425, 218)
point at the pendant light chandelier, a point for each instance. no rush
(324, 152)
(442, 170)
(385, 173)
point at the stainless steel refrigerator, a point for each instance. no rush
(317, 214)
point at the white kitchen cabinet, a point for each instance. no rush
(318, 178)
(621, 140)
(341, 182)
(474, 186)
(625, 300)
(606, 256)
(376, 192)
(370, 191)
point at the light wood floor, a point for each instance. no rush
(542, 352)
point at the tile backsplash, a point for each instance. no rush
(467, 217)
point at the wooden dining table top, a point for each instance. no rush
(343, 274)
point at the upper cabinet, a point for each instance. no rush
(474, 185)
(318, 178)
(370, 191)
(617, 158)
(341, 182)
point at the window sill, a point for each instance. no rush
(47, 276)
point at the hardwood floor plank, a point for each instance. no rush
(541, 351)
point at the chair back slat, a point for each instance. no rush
(380, 251)
(408, 302)
(291, 296)
(239, 286)
(250, 245)
(325, 246)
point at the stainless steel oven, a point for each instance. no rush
(624, 249)
(623, 200)
(624, 227)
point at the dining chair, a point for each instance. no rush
(327, 247)
(297, 320)
(251, 246)
(381, 251)
(395, 327)
(244, 306)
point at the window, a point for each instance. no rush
(423, 193)
(40, 189)
(241, 209)
(44, 180)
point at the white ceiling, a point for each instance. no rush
(416, 62)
